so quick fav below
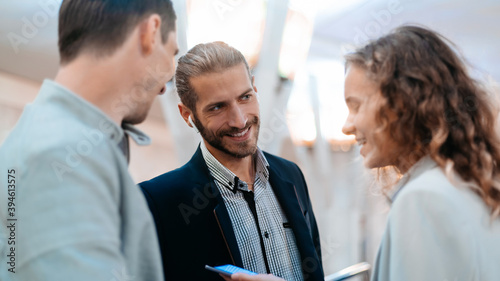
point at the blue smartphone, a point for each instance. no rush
(229, 269)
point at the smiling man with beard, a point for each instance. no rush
(231, 203)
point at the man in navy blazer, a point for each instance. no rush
(231, 203)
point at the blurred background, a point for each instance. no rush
(295, 48)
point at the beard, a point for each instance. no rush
(216, 139)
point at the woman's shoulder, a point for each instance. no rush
(428, 179)
(435, 195)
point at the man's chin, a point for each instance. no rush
(242, 152)
(136, 119)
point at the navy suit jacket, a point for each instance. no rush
(194, 227)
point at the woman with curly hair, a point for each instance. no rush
(414, 109)
(418, 115)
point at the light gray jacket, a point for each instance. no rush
(438, 231)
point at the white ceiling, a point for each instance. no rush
(472, 25)
(37, 57)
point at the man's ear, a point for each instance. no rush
(149, 33)
(185, 113)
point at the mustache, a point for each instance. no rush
(233, 130)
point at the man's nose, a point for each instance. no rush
(237, 118)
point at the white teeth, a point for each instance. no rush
(361, 142)
(240, 134)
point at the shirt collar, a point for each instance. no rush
(139, 137)
(227, 178)
(422, 165)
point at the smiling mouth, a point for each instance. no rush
(361, 141)
(241, 135)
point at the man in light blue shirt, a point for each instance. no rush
(68, 206)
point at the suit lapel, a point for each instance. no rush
(202, 174)
(295, 212)
(227, 231)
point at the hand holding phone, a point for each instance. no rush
(246, 277)
(229, 269)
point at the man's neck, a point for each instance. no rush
(95, 81)
(243, 168)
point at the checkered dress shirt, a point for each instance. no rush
(279, 241)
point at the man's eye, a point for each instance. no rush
(247, 96)
(215, 108)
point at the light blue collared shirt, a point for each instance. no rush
(78, 213)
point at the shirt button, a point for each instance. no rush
(266, 234)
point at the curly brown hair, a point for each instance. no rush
(441, 110)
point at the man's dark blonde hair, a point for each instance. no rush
(204, 59)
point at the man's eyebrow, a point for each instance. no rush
(208, 106)
(224, 102)
(247, 91)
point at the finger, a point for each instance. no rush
(227, 278)
(260, 277)
(239, 276)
